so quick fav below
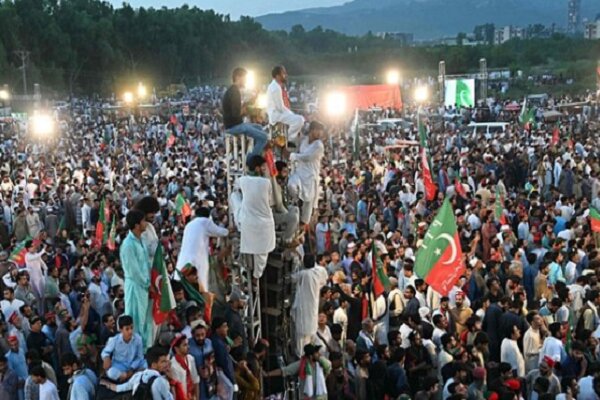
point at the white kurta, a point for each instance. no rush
(195, 246)
(37, 269)
(256, 217)
(307, 168)
(150, 240)
(510, 353)
(305, 310)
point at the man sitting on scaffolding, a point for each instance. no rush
(278, 105)
(234, 111)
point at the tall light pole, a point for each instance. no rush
(23, 55)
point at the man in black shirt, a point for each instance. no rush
(233, 112)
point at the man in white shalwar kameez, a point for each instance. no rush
(305, 310)
(255, 214)
(305, 180)
(37, 270)
(278, 107)
(195, 244)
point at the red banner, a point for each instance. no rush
(367, 96)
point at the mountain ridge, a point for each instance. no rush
(426, 19)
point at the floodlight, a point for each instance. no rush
(250, 80)
(261, 101)
(421, 94)
(42, 125)
(335, 104)
(128, 97)
(141, 90)
(4, 95)
(393, 77)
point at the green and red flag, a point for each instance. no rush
(163, 300)
(182, 206)
(18, 254)
(190, 289)
(555, 135)
(380, 282)
(460, 189)
(595, 219)
(430, 186)
(110, 242)
(499, 207)
(100, 226)
(527, 116)
(439, 260)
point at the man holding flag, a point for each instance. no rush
(430, 187)
(134, 258)
(380, 287)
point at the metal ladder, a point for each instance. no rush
(236, 148)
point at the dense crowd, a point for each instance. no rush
(95, 215)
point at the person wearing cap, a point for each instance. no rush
(220, 331)
(134, 259)
(16, 358)
(255, 214)
(305, 309)
(233, 315)
(545, 370)
(478, 388)
(195, 247)
(183, 366)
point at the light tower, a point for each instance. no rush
(574, 17)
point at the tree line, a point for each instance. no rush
(85, 46)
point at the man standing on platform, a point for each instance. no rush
(134, 258)
(305, 309)
(278, 105)
(305, 180)
(256, 217)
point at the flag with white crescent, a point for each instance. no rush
(439, 260)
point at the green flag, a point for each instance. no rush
(439, 259)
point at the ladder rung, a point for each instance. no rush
(274, 312)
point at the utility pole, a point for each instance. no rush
(24, 56)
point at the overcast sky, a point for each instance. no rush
(235, 8)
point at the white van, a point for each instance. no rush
(488, 129)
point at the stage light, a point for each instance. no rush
(141, 91)
(421, 94)
(42, 125)
(335, 104)
(393, 77)
(250, 80)
(261, 101)
(4, 95)
(128, 97)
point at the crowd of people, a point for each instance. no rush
(117, 237)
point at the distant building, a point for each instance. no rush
(405, 39)
(506, 33)
(592, 30)
(574, 17)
